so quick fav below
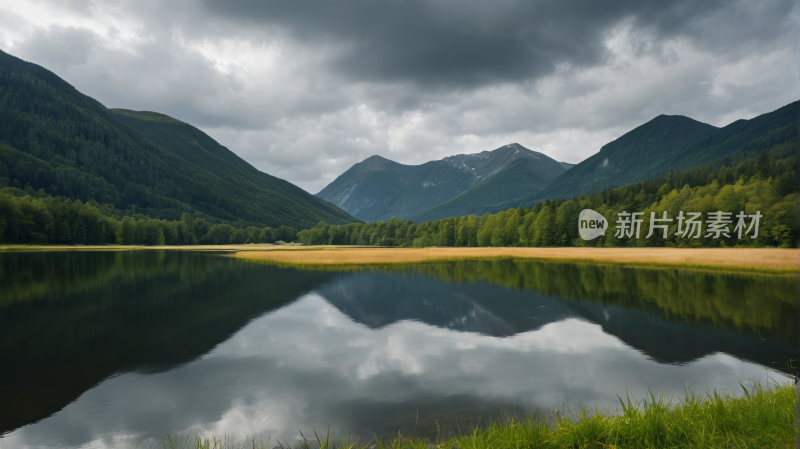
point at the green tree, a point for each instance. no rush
(218, 235)
(238, 237)
(544, 233)
(128, 231)
(154, 235)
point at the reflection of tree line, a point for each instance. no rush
(30, 275)
(73, 319)
(763, 304)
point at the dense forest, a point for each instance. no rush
(68, 144)
(28, 216)
(761, 184)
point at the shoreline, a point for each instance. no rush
(749, 260)
(760, 417)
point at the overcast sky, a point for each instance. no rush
(304, 89)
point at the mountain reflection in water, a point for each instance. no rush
(140, 343)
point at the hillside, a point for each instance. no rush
(764, 182)
(635, 156)
(389, 190)
(68, 144)
(567, 165)
(768, 131)
(672, 143)
(503, 190)
(369, 187)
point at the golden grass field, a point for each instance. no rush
(737, 259)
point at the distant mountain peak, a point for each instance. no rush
(377, 188)
(375, 157)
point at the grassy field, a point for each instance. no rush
(771, 260)
(764, 260)
(760, 417)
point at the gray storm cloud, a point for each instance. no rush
(304, 89)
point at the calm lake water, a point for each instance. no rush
(114, 349)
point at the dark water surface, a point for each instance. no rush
(117, 348)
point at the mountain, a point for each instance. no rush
(766, 132)
(634, 157)
(60, 140)
(671, 143)
(503, 190)
(377, 189)
(369, 187)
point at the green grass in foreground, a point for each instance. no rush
(761, 417)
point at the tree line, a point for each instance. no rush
(57, 139)
(761, 184)
(28, 216)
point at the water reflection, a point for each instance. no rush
(472, 304)
(759, 303)
(71, 319)
(173, 341)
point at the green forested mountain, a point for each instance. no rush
(775, 131)
(635, 156)
(763, 185)
(377, 188)
(501, 191)
(54, 138)
(671, 143)
(370, 187)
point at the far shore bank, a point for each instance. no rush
(765, 260)
(761, 260)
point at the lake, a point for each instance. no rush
(118, 348)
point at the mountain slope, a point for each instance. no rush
(766, 131)
(428, 185)
(567, 165)
(197, 148)
(369, 187)
(671, 143)
(57, 139)
(506, 188)
(637, 155)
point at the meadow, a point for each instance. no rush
(767, 260)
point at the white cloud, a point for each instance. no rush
(276, 93)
